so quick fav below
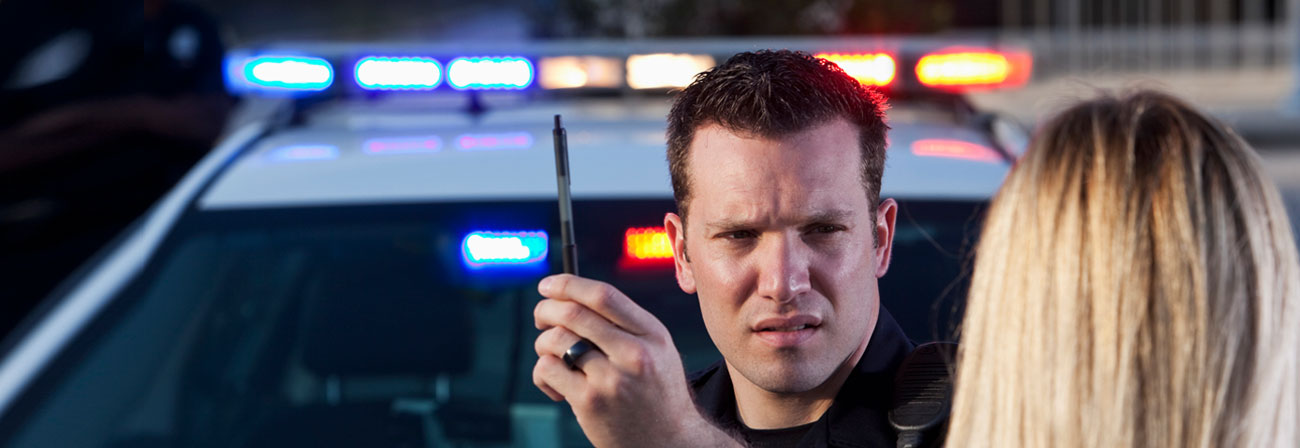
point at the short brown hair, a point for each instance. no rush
(773, 93)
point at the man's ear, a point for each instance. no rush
(676, 228)
(885, 214)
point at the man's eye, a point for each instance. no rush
(826, 228)
(739, 235)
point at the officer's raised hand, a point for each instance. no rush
(630, 389)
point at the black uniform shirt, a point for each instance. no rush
(857, 418)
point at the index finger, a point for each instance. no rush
(602, 298)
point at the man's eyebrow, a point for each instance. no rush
(830, 216)
(821, 216)
(729, 224)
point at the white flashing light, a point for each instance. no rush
(504, 248)
(383, 73)
(664, 70)
(507, 248)
(288, 72)
(490, 73)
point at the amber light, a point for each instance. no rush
(664, 70)
(973, 69)
(570, 72)
(873, 69)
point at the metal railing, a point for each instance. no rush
(1090, 52)
(1091, 37)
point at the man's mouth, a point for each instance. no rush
(794, 328)
(784, 332)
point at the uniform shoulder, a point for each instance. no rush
(697, 378)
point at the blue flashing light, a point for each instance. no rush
(405, 73)
(481, 142)
(490, 73)
(287, 73)
(298, 153)
(402, 145)
(482, 249)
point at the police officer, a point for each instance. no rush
(776, 160)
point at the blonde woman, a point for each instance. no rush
(1136, 285)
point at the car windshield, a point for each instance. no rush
(373, 326)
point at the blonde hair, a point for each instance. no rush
(1135, 285)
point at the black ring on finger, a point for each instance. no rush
(576, 351)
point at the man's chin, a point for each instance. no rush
(784, 377)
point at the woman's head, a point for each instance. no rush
(1136, 284)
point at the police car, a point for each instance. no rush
(355, 264)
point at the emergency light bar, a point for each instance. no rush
(382, 73)
(483, 249)
(902, 65)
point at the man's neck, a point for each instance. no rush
(759, 408)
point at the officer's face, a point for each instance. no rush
(778, 245)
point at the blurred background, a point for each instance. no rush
(105, 104)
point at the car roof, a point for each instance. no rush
(356, 153)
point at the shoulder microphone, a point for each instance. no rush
(923, 395)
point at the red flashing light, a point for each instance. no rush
(872, 69)
(955, 149)
(968, 69)
(647, 243)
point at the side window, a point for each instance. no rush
(929, 272)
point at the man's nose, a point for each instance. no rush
(783, 275)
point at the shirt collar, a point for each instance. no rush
(859, 415)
